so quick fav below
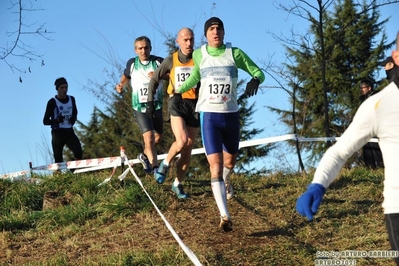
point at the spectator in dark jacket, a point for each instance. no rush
(372, 156)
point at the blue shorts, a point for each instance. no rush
(220, 132)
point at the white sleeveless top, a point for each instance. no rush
(64, 109)
(139, 82)
(219, 76)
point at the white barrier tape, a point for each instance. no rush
(108, 161)
(15, 174)
(100, 167)
(109, 178)
(90, 164)
(121, 162)
(201, 151)
(254, 142)
(123, 175)
(186, 249)
(375, 140)
(79, 164)
(300, 139)
(103, 163)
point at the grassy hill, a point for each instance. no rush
(116, 224)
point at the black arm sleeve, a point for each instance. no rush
(74, 111)
(48, 118)
(159, 74)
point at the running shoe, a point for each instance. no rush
(229, 190)
(154, 171)
(161, 172)
(179, 191)
(226, 225)
(144, 161)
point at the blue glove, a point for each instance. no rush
(308, 203)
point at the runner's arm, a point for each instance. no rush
(48, 118)
(359, 132)
(125, 77)
(244, 62)
(74, 116)
(159, 74)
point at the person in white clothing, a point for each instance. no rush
(216, 67)
(377, 116)
(138, 72)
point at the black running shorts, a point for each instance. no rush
(147, 123)
(185, 109)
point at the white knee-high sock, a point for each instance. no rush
(219, 193)
(165, 162)
(226, 172)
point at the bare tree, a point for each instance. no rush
(285, 82)
(16, 45)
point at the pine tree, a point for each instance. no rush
(107, 131)
(248, 155)
(328, 67)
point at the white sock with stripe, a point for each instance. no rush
(219, 193)
(226, 172)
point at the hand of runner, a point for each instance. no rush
(308, 203)
(150, 109)
(252, 87)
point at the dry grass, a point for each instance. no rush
(267, 229)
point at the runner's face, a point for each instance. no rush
(215, 36)
(186, 41)
(364, 89)
(62, 91)
(143, 50)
